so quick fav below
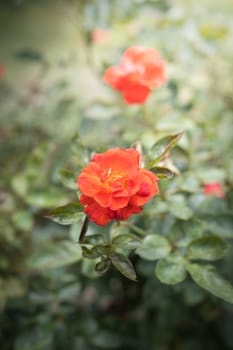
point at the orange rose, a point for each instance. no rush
(214, 188)
(114, 187)
(140, 70)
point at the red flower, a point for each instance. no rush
(114, 187)
(100, 36)
(214, 188)
(140, 70)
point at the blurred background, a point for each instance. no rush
(53, 56)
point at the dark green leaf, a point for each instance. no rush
(57, 255)
(207, 248)
(184, 232)
(162, 173)
(171, 270)
(94, 252)
(220, 224)
(207, 277)
(154, 247)
(67, 214)
(124, 265)
(103, 266)
(161, 147)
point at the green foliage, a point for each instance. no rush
(59, 254)
(124, 265)
(207, 248)
(66, 283)
(154, 247)
(207, 277)
(171, 270)
(67, 214)
(162, 147)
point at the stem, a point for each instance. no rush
(83, 230)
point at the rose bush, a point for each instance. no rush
(61, 281)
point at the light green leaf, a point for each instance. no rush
(162, 173)
(124, 265)
(162, 146)
(67, 214)
(68, 178)
(154, 247)
(23, 220)
(57, 255)
(207, 277)
(45, 198)
(126, 240)
(97, 238)
(179, 208)
(207, 248)
(171, 270)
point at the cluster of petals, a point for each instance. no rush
(113, 186)
(140, 69)
(214, 188)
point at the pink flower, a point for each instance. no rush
(214, 188)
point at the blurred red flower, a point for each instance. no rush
(214, 188)
(114, 187)
(140, 70)
(100, 36)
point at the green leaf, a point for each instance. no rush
(126, 240)
(45, 198)
(220, 224)
(67, 214)
(68, 178)
(23, 220)
(162, 173)
(94, 252)
(183, 233)
(103, 266)
(171, 270)
(179, 208)
(207, 277)
(207, 248)
(161, 147)
(124, 265)
(154, 247)
(57, 255)
(97, 238)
